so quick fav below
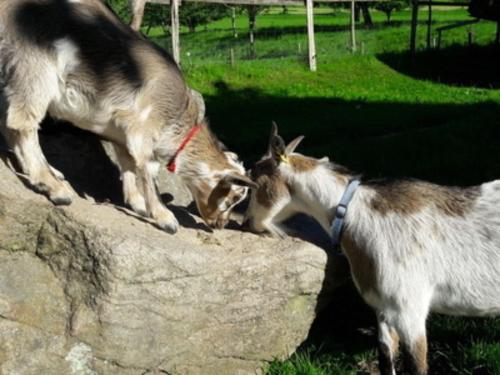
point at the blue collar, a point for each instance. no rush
(340, 212)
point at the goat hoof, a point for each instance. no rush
(62, 196)
(61, 201)
(170, 228)
(138, 205)
(167, 222)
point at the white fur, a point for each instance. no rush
(67, 55)
(144, 114)
(424, 261)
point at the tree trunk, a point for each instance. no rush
(388, 14)
(367, 17)
(137, 8)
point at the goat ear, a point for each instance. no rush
(232, 155)
(277, 147)
(274, 129)
(293, 145)
(239, 179)
(200, 105)
(324, 159)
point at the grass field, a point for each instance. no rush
(281, 36)
(378, 113)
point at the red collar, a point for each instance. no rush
(171, 167)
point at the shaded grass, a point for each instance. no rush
(343, 341)
(360, 112)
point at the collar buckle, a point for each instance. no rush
(340, 211)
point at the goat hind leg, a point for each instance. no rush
(388, 341)
(411, 329)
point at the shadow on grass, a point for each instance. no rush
(443, 143)
(457, 65)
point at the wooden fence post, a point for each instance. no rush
(233, 22)
(353, 26)
(470, 36)
(429, 27)
(310, 35)
(413, 35)
(231, 57)
(174, 14)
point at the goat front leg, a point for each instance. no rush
(132, 194)
(45, 179)
(141, 150)
(263, 220)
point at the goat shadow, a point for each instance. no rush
(80, 156)
(344, 323)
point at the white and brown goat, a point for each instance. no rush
(413, 247)
(75, 60)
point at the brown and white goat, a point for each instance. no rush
(413, 247)
(75, 60)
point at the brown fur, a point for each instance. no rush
(302, 163)
(207, 202)
(418, 356)
(395, 342)
(206, 148)
(407, 197)
(363, 267)
(271, 185)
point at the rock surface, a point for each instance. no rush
(93, 289)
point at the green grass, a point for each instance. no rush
(284, 36)
(377, 113)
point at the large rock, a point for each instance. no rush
(93, 289)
